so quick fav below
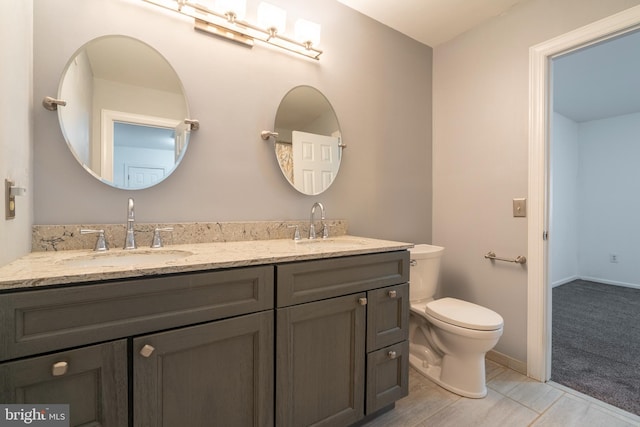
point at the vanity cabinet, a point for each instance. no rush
(209, 349)
(317, 342)
(342, 331)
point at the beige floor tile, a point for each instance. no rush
(535, 395)
(493, 369)
(513, 400)
(506, 381)
(423, 401)
(491, 411)
(570, 411)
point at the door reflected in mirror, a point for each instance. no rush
(124, 118)
(309, 142)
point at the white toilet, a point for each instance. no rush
(448, 337)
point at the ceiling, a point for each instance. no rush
(591, 83)
(599, 81)
(431, 21)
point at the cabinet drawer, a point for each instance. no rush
(387, 316)
(91, 380)
(308, 281)
(45, 320)
(387, 376)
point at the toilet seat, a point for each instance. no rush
(464, 314)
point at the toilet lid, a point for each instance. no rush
(464, 314)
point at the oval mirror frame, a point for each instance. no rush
(308, 144)
(124, 112)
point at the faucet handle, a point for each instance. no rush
(296, 234)
(325, 230)
(101, 243)
(156, 242)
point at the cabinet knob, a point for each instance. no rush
(362, 301)
(393, 294)
(59, 368)
(392, 355)
(147, 350)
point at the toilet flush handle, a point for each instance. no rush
(413, 262)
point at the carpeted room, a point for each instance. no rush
(596, 341)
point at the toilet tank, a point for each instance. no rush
(424, 271)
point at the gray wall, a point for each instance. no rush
(378, 81)
(16, 140)
(480, 152)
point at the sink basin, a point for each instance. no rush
(125, 258)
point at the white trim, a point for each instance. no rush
(564, 281)
(610, 282)
(539, 297)
(107, 118)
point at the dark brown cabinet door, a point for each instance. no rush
(213, 374)
(321, 362)
(91, 380)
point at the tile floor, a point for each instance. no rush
(513, 400)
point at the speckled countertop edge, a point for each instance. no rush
(41, 269)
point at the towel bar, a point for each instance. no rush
(520, 259)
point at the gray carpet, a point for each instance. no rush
(596, 342)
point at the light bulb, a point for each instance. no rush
(272, 18)
(307, 32)
(233, 9)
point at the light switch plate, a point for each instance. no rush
(519, 207)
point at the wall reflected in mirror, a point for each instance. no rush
(124, 118)
(309, 142)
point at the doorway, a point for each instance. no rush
(539, 295)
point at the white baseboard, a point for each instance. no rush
(509, 362)
(611, 282)
(565, 280)
(594, 279)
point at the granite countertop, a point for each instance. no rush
(39, 269)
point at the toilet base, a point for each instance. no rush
(434, 373)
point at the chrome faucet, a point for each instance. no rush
(130, 239)
(312, 227)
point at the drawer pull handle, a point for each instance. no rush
(392, 355)
(147, 350)
(59, 368)
(393, 294)
(362, 301)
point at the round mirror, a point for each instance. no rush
(124, 118)
(309, 142)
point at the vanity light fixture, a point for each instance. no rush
(233, 10)
(307, 32)
(225, 19)
(272, 18)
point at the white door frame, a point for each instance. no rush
(107, 121)
(539, 296)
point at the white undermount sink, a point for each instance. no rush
(125, 258)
